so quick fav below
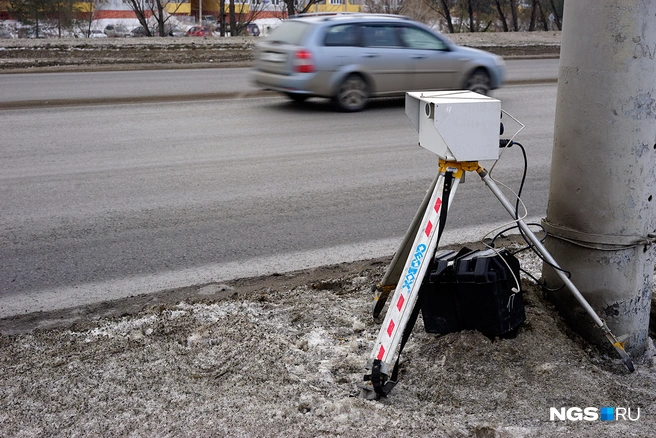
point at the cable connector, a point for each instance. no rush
(505, 143)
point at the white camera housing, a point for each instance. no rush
(456, 125)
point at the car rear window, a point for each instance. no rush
(289, 32)
(341, 35)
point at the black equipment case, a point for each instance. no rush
(472, 290)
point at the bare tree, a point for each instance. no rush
(61, 11)
(443, 8)
(505, 15)
(556, 14)
(255, 9)
(534, 15)
(143, 9)
(87, 11)
(233, 19)
(300, 7)
(537, 15)
(513, 14)
(502, 15)
(479, 14)
(384, 6)
(420, 11)
(541, 16)
(470, 14)
(139, 8)
(222, 22)
(502, 12)
(30, 12)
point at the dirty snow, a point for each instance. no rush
(53, 54)
(285, 356)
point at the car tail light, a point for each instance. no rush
(303, 62)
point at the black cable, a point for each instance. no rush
(521, 184)
(544, 287)
(505, 230)
(510, 143)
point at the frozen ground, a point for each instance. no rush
(284, 355)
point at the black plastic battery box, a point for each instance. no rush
(472, 290)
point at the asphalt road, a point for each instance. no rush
(180, 84)
(113, 200)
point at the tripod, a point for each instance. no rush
(417, 253)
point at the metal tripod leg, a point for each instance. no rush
(395, 268)
(419, 258)
(407, 289)
(543, 251)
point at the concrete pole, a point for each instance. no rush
(602, 199)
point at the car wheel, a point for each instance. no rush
(352, 94)
(299, 98)
(479, 82)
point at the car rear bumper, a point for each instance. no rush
(299, 83)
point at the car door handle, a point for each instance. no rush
(371, 55)
(418, 57)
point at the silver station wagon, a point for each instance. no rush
(350, 58)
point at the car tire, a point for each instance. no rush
(298, 98)
(479, 82)
(352, 94)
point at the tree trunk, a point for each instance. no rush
(160, 18)
(92, 11)
(513, 14)
(543, 18)
(291, 9)
(470, 11)
(447, 15)
(233, 20)
(556, 16)
(534, 10)
(222, 20)
(502, 16)
(137, 7)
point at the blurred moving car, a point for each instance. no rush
(116, 31)
(200, 31)
(350, 58)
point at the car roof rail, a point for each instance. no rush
(329, 15)
(369, 14)
(317, 14)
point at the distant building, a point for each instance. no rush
(122, 9)
(246, 10)
(258, 9)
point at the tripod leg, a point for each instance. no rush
(403, 304)
(543, 251)
(394, 270)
